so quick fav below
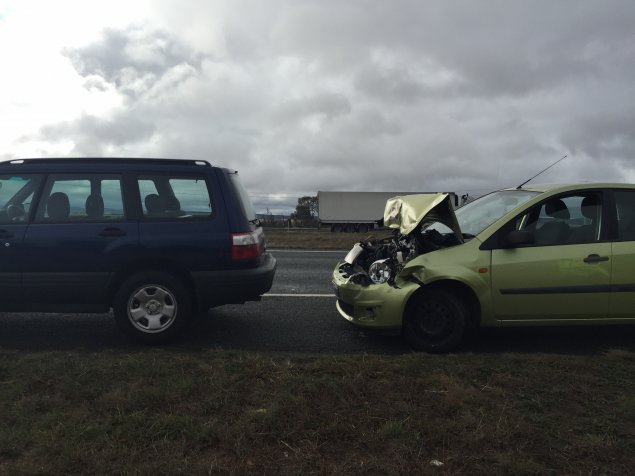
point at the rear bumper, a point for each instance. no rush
(234, 286)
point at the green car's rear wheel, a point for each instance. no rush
(434, 320)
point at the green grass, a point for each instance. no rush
(166, 411)
(161, 411)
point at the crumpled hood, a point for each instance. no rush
(408, 211)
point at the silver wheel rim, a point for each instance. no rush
(152, 308)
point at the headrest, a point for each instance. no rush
(556, 208)
(154, 203)
(590, 207)
(94, 206)
(58, 206)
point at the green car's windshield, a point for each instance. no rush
(474, 217)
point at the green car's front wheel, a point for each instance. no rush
(434, 320)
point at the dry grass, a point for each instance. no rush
(168, 412)
(280, 238)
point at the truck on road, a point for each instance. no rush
(356, 211)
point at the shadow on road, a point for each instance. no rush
(585, 340)
(248, 328)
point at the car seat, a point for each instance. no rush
(590, 209)
(556, 230)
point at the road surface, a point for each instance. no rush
(298, 315)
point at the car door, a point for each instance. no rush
(16, 196)
(565, 273)
(622, 303)
(182, 220)
(78, 239)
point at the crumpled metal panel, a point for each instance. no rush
(408, 211)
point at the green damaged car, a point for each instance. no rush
(536, 255)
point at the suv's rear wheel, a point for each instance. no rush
(152, 307)
(435, 320)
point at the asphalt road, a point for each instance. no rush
(298, 315)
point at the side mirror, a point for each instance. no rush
(520, 237)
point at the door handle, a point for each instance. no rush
(112, 232)
(6, 234)
(595, 258)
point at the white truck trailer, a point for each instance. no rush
(356, 211)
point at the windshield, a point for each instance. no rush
(474, 217)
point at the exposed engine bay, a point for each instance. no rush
(376, 261)
(417, 220)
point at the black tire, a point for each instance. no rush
(363, 228)
(435, 321)
(152, 307)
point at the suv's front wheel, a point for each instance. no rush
(152, 307)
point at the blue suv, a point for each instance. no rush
(156, 240)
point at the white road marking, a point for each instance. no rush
(308, 251)
(298, 295)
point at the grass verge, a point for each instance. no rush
(281, 238)
(163, 411)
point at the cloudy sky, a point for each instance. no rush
(308, 95)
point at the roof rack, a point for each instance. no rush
(155, 160)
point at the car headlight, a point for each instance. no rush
(380, 271)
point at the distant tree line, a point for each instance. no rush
(306, 212)
(304, 216)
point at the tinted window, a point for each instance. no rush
(625, 202)
(248, 208)
(16, 196)
(81, 198)
(175, 197)
(569, 219)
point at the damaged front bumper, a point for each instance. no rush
(377, 306)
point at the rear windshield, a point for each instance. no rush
(242, 195)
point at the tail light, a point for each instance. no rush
(247, 246)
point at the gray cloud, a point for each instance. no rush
(95, 137)
(133, 59)
(328, 105)
(369, 95)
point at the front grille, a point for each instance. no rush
(346, 270)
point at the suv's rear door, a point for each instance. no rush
(181, 223)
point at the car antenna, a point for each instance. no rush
(543, 170)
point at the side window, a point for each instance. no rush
(568, 219)
(175, 197)
(625, 203)
(74, 198)
(16, 196)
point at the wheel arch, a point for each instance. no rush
(158, 266)
(465, 292)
